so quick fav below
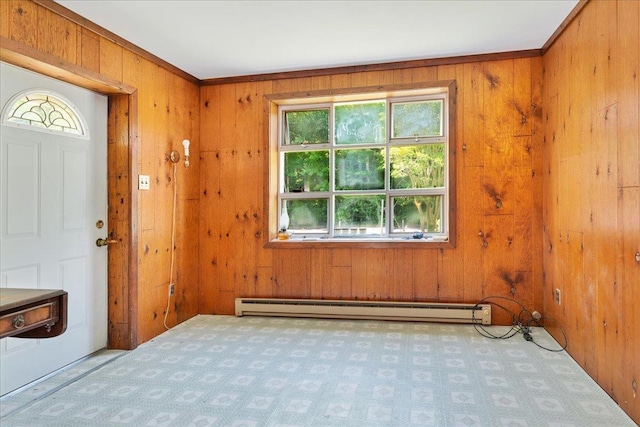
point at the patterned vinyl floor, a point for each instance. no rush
(252, 371)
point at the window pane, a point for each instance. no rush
(360, 215)
(308, 215)
(417, 119)
(306, 171)
(306, 127)
(417, 213)
(417, 166)
(45, 111)
(359, 169)
(362, 123)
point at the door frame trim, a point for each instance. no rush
(122, 195)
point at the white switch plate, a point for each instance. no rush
(143, 182)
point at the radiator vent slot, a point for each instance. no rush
(370, 310)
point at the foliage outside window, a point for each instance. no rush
(371, 168)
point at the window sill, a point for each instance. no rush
(358, 243)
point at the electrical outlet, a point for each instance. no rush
(143, 182)
(557, 296)
(172, 289)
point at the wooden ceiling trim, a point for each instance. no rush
(374, 67)
(91, 26)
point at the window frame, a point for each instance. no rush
(274, 175)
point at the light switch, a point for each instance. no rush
(143, 182)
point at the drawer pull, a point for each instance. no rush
(18, 321)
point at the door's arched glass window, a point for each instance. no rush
(44, 111)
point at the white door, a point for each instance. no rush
(53, 193)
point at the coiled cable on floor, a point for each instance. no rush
(521, 323)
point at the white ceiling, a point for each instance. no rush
(212, 39)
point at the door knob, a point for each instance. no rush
(105, 242)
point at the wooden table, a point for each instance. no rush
(32, 313)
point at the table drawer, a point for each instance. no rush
(29, 318)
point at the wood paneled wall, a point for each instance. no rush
(590, 176)
(591, 194)
(499, 247)
(159, 110)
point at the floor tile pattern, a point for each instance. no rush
(253, 371)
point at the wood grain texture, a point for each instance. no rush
(88, 50)
(119, 320)
(104, 34)
(490, 101)
(56, 36)
(23, 22)
(151, 111)
(590, 185)
(537, 129)
(420, 64)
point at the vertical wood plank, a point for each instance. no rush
(425, 275)
(424, 74)
(403, 281)
(499, 276)
(264, 284)
(473, 233)
(450, 276)
(359, 267)
(118, 300)
(340, 81)
(56, 35)
(5, 18)
(498, 113)
(376, 78)
(339, 285)
(379, 269)
(402, 76)
(537, 172)
(89, 50)
(474, 119)
(628, 69)
(320, 274)
(209, 231)
(247, 161)
(187, 262)
(23, 22)
(228, 234)
(629, 267)
(110, 59)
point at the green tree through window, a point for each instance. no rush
(371, 169)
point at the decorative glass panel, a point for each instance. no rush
(308, 215)
(417, 166)
(417, 214)
(417, 119)
(306, 127)
(360, 215)
(45, 111)
(362, 123)
(360, 169)
(306, 171)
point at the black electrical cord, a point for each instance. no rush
(564, 337)
(521, 323)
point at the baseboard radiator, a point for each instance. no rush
(370, 310)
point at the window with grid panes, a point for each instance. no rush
(371, 168)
